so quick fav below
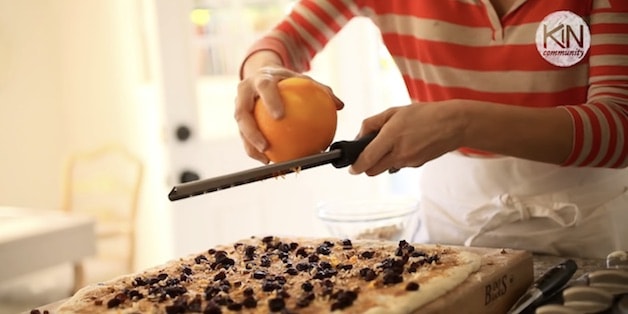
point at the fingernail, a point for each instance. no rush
(352, 171)
(277, 114)
(261, 146)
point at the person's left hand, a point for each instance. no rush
(410, 136)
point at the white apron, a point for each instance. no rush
(515, 203)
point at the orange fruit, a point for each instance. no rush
(308, 125)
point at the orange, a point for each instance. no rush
(308, 125)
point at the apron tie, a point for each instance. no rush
(506, 209)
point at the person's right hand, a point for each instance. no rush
(262, 83)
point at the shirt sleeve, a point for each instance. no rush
(306, 31)
(601, 125)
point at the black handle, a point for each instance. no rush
(557, 277)
(350, 150)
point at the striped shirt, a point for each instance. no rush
(461, 49)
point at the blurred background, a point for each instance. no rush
(156, 79)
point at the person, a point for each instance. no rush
(519, 114)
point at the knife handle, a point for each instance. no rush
(557, 277)
(350, 150)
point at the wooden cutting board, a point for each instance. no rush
(504, 276)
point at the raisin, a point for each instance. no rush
(307, 286)
(325, 273)
(265, 261)
(344, 266)
(346, 244)
(418, 254)
(211, 292)
(268, 239)
(324, 250)
(173, 282)
(113, 303)
(301, 252)
(268, 286)
(35, 311)
(212, 308)
(412, 286)
(313, 258)
(276, 304)
(135, 295)
(283, 293)
(248, 291)
(249, 250)
(260, 274)
(391, 278)
(162, 276)
(211, 251)
(367, 254)
(284, 257)
(187, 270)
(325, 265)
(183, 277)
(175, 291)
(303, 302)
(303, 266)
(195, 304)
(281, 280)
(343, 299)
(235, 307)
(220, 276)
(139, 281)
(98, 302)
(222, 300)
(219, 256)
(284, 247)
(294, 246)
(433, 259)
(249, 302)
(175, 309)
(199, 259)
(368, 274)
(291, 271)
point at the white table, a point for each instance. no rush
(31, 240)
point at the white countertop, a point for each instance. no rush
(31, 239)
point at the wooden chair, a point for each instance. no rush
(105, 184)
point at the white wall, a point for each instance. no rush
(31, 132)
(72, 78)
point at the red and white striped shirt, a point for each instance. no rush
(461, 49)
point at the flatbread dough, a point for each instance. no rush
(287, 275)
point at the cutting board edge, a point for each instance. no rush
(503, 277)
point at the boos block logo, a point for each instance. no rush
(563, 38)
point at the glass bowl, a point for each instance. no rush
(387, 219)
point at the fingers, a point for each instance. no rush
(253, 152)
(339, 103)
(376, 122)
(265, 84)
(375, 158)
(378, 156)
(244, 117)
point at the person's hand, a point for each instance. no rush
(410, 136)
(262, 83)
